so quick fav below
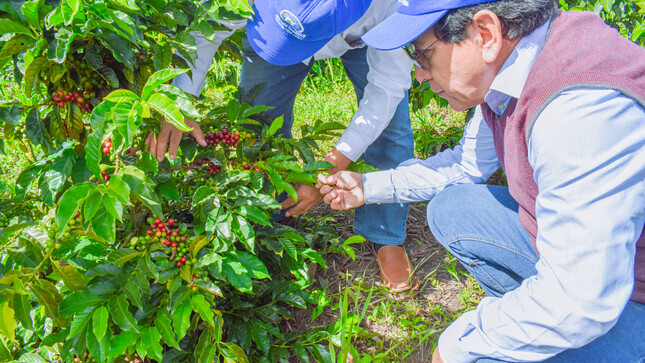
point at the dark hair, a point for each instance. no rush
(518, 18)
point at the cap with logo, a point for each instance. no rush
(286, 32)
(412, 18)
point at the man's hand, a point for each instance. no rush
(343, 190)
(169, 139)
(309, 197)
(436, 357)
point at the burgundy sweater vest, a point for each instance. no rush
(580, 51)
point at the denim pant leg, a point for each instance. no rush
(263, 83)
(382, 223)
(479, 225)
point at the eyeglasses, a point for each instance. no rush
(414, 54)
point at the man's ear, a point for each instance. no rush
(487, 26)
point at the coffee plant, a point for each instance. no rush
(107, 255)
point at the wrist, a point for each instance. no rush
(340, 161)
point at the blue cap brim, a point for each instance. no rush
(271, 43)
(400, 29)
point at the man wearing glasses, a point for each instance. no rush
(560, 100)
(284, 39)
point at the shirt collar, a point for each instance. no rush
(510, 80)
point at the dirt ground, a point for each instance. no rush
(437, 297)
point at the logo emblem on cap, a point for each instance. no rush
(291, 24)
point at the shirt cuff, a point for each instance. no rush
(347, 150)
(378, 187)
(450, 341)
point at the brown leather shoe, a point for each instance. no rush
(396, 269)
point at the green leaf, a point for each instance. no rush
(201, 306)
(109, 75)
(197, 243)
(139, 187)
(54, 338)
(57, 50)
(318, 165)
(73, 279)
(276, 125)
(132, 290)
(253, 265)
(305, 151)
(159, 78)
(276, 179)
(236, 351)
(93, 202)
(104, 224)
(205, 349)
(244, 232)
(163, 55)
(121, 50)
(291, 249)
(210, 287)
(169, 190)
(32, 78)
(255, 214)
(113, 207)
(69, 203)
(238, 275)
(31, 358)
(10, 115)
(10, 26)
(162, 322)
(122, 342)
(7, 322)
(100, 322)
(79, 323)
(185, 44)
(120, 313)
(181, 320)
(122, 95)
(260, 337)
(49, 297)
(70, 8)
(35, 129)
(22, 307)
(55, 178)
(93, 152)
(169, 109)
(119, 189)
(77, 302)
(25, 180)
(150, 339)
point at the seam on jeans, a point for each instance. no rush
(490, 241)
(640, 360)
(486, 275)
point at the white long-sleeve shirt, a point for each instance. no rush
(587, 150)
(388, 76)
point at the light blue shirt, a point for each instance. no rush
(587, 150)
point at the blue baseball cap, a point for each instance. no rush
(412, 18)
(286, 32)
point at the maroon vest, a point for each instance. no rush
(580, 51)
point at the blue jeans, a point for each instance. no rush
(479, 225)
(262, 83)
